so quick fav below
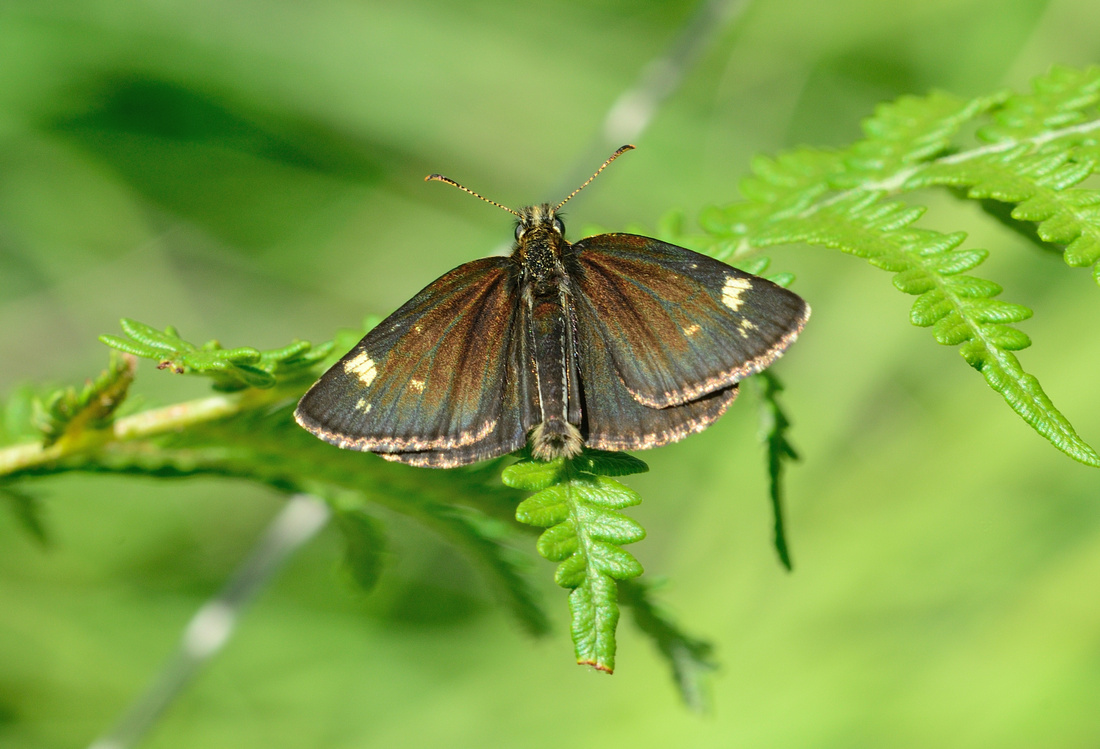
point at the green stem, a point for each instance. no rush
(151, 423)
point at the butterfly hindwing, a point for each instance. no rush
(613, 418)
(442, 381)
(678, 325)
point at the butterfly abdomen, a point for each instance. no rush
(555, 438)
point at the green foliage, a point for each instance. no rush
(27, 511)
(578, 504)
(230, 369)
(1033, 151)
(1032, 155)
(364, 544)
(691, 659)
(67, 412)
(773, 433)
(265, 444)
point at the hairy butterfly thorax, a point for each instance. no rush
(617, 342)
(540, 242)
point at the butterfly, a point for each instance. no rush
(615, 342)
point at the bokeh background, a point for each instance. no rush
(252, 171)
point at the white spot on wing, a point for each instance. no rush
(363, 406)
(691, 330)
(417, 385)
(745, 326)
(732, 291)
(362, 366)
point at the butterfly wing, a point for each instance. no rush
(442, 381)
(678, 325)
(613, 418)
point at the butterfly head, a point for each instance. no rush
(539, 222)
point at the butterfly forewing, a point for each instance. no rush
(441, 382)
(678, 325)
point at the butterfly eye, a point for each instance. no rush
(519, 231)
(559, 227)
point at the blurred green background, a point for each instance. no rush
(252, 171)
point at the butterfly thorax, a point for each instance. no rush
(539, 243)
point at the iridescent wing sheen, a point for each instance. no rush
(676, 324)
(443, 381)
(613, 418)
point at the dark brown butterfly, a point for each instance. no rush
(618, 342)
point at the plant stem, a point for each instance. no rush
(157, 421)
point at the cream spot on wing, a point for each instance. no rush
(363, 406)
(691, 330)
(744, 327)
(732, 291)
(417, 385)
(418, 329)
(362, 366)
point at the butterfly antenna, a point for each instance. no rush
(449, 181)
(612, 157)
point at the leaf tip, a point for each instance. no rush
(597, 665)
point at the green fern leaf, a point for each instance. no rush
(959, 308)
(595, 609)
(230, 369)
(68, 413)
(908, 131)
(1057, 99)
(584, 534)
(605, 463)
(774, 426)
(1039, 183)
(1043, 146)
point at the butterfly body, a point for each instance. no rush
(545, 291)
(617, 342)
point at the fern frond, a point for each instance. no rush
(690, 658)
(230, 369)
(906, 132)
(1038, 149)
(960, 308)
(1058, 99)
(774, 426)
(68, 412)
(584, 534)
(251, 435)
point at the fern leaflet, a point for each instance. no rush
(578, 504)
